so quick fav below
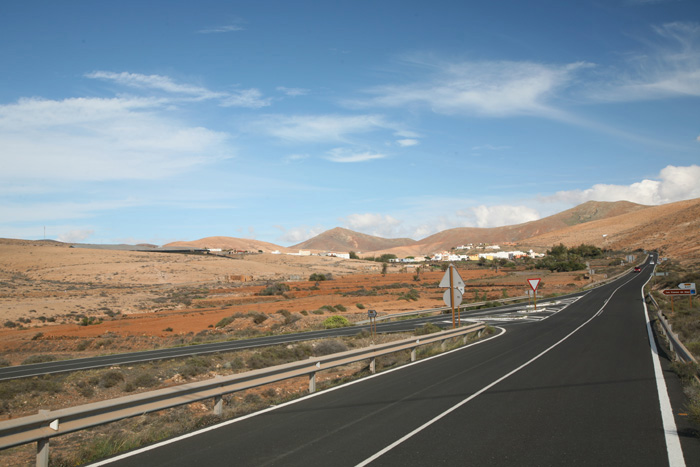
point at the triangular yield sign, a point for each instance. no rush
(457, 281)
(533, 283)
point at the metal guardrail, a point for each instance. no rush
(48, 424)
(681, 351)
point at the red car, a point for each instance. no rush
(637, 269)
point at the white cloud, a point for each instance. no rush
(100, 139)
(492, 89)
(669, 68)
(158, 82)
(698, 139)
(318, 128)
(53, 211)
(673, 184)
(344, 155)
(292, 92)
(496, 216)
(75, 236)
(407, 142)
(249, 98)
(380, 225)
(221, 29)
(299, 234)
(296, 158)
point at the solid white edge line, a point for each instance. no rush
(486, 388)
(275, 407)
(673, 441)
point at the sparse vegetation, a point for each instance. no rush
(411, 294)
(336, 322)
(278, 288)
(317, 277)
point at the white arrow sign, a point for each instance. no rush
(687, 286)
(533, 283)
(457, 281)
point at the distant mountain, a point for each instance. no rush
(584, 213)
(231, 243)
(672, 228)
(344, 240)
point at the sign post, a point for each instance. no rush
(372, 315)
(452, 296)
(533, 285)
(688, 286)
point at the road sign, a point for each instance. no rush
(457, 281)
(372, 313)
(687, 286)
(678, 292)
(457, 295)
(533, 283)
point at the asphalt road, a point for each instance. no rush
(501, 313)
(577, 388)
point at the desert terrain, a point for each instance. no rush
(54, 297)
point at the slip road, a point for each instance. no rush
(578, 388)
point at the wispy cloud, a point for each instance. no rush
(299, 234)
(318, 128)
(292, 92)
(670, 67)
(487, 89)
(489, 147)
(381, 225)
(345, 155)
(496, 216)
(249, 98)
(221, 29)
(101, 139)
(404, 143)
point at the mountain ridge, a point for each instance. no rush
(672, 227)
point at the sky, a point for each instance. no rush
(158, 121)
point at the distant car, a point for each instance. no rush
(637, 269)
(651, 262)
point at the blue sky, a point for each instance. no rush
(163, 120)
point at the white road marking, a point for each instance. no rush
(486, 388)
(673, 441)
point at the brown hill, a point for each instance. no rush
(231, 243)
(344, 240)
(447, 239)
(673, 228)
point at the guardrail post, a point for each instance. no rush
(42, 453)
(443, 345)
(312, 382)
(218, 405)
(373, 365)
(42, 448)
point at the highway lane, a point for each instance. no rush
(507, 313)
(576, 388)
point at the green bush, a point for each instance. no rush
(360, 306)
(412, 294)
(278, 288)
(316, 277)
(336, 322)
